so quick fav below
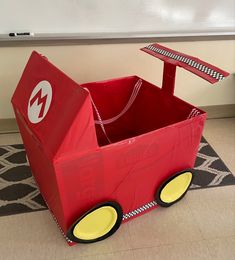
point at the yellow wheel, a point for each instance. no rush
(174, 188)
(97, 224)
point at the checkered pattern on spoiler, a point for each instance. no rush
(193, 64)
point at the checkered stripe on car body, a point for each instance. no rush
(139, 210)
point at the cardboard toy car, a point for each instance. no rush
(103, 153)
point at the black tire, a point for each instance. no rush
(167, 181)
(113, 205)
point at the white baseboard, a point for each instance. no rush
(219, 111)
(9, 125)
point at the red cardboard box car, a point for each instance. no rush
(103, 153)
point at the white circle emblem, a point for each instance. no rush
(39, 102)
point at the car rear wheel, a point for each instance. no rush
(174, 188)
(97, 224)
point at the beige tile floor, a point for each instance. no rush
(201, 226)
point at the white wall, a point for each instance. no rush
(86, 63)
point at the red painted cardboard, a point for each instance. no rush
(115, 140)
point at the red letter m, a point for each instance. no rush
(41, 100)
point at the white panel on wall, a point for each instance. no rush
(115, 18)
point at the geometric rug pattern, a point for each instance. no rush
(19, 192)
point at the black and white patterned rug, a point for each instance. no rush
(19, 192)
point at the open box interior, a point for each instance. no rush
(130, 106)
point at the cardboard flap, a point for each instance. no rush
(190, 63)
(48, 102)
